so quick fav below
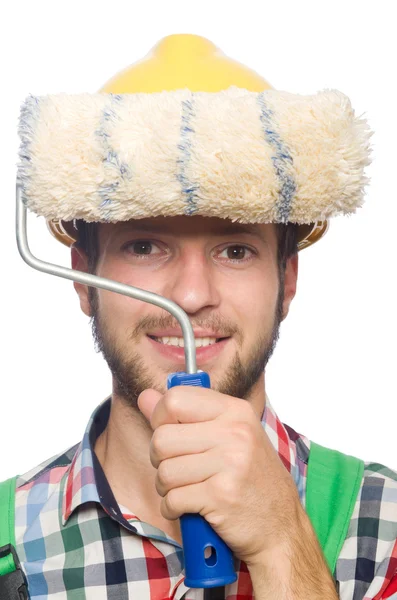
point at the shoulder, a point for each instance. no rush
(381, 472)
(377, 497)
(377, 500)
(366, 563)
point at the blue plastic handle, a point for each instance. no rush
(197, 535)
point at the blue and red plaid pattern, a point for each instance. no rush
(75, 542)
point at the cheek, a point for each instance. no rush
(151, 279)
(119, 309)
(254, 301)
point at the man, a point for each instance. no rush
(102, 519)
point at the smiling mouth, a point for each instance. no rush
(179, 342)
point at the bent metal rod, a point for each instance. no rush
(103, 283)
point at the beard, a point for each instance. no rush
(131, 376)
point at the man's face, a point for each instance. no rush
(223, 275)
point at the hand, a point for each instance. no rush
(214, 458)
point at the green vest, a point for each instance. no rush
(333, 482)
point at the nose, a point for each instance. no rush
(193, 286)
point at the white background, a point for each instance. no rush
(333, 376)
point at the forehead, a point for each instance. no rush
(187, 226)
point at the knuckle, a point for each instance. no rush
(218, 520)
(226, 490)
(172, 401)
(238, 460)
(159, 488)
(171, 502)
(242, 432)
(158, 443)
(164, 473)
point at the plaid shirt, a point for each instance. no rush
(75, 542)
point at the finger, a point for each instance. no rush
(169, 441)
(183, 439)
(189, 404)
(186, 470)
(188, 499)
(147, 401)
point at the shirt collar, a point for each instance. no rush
(293, 448)
(86, 482)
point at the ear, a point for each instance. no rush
(80, 263)
(290, 283)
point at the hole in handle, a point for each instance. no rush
(210, 556)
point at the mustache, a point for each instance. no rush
(215, 322)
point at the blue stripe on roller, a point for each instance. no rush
(111, 159)
(29, 116)
(187, 133)
(282, 161)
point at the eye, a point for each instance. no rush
(236, 253)
(142, 248)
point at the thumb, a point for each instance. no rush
(147, 401)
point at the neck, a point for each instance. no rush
(123, 451)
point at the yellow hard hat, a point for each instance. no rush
(183, 61)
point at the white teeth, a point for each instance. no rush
(206, 341)
(179, 341)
